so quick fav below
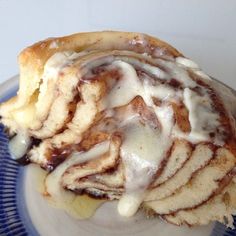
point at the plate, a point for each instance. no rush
(23, 211)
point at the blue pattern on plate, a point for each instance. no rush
(14, 218)
(221, 230)
(10, 221)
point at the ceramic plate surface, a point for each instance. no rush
(23, 211)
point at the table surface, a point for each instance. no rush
(203, 30)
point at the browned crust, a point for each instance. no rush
(37, 54)
(33, 58)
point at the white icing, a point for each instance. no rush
(193, 66)
(142, 152)
(56, 62)
(53, 180)
(19, 145)
(162, 92)
(201, 116)
(129, 203)
(125, 89)
(130, 86)
(165, 117)
(139, 162)
(177, 72)
(187, 62)
(155, 71)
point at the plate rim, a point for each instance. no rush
(8, 85)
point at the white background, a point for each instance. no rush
(204, 30)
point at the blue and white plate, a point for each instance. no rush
(23, 211)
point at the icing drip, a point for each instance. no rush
(142, 152)
(19, 145)
(201, 116)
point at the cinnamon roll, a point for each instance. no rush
(125, 116)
